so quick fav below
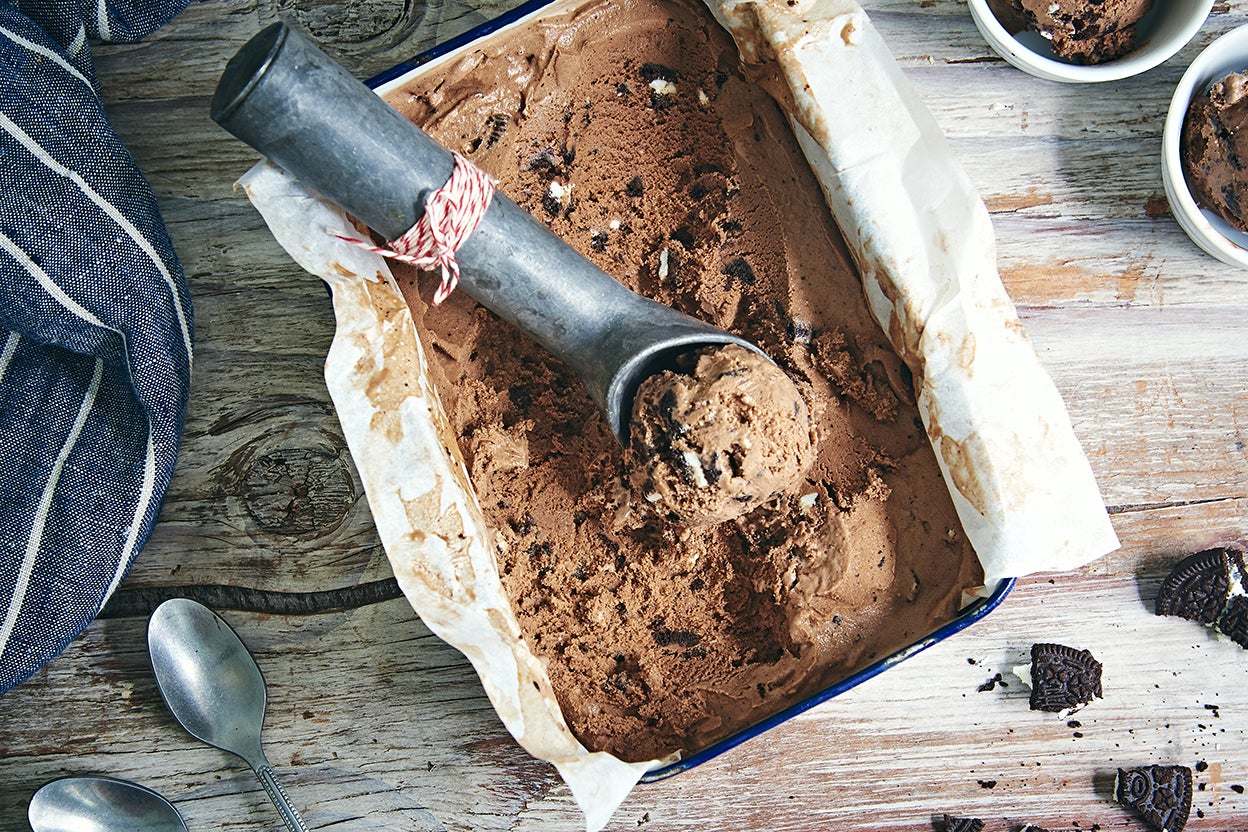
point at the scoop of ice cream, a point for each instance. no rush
(1082, 31)
(1214, 142)
(718, 436)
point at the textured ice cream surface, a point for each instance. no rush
(712, 439)
(628, 128)
(1215, 148)
(1081, 31)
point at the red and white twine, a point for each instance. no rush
(452, 213)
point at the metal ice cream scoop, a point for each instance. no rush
(286, 98)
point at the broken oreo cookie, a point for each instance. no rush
(1234, 621)
(1208, 587)
(1198, 587)
(955, 824)
(1162, 795)
(1063, 679)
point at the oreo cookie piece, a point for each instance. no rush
(954, 824)
(1162, 795)
(1197, 587)
(1234, 621)
(1063, 678)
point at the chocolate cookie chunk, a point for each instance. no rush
(1162, 795)
(1234, 622)
(1063, 678)
(1197, 587)
(955, 824)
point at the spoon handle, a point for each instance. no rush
(268, 779)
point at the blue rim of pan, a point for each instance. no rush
(489, 27)
(974, 612)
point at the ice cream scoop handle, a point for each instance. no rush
(286, 98)
(268, 779)
(292, 102)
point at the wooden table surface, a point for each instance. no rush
(371, 717)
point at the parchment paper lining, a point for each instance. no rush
(923, 243)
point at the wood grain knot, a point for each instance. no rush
(298, 491)
(367, 37)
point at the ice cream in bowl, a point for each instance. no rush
(1205, 185)
(1084, 41)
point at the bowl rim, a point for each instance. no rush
(1027, 59)
(1206, 68)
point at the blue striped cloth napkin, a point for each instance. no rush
(95, 331)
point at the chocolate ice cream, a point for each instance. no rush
(717, 437)
(628, 127)
(1081, 31)
(1215, 145)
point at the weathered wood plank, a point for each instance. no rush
(371, 716)
(910, 743)
(1155, 396)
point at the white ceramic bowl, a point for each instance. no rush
(1215, 235)
(1163, 32)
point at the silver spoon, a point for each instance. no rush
(100, 804)
(214, 688)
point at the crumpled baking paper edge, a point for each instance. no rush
(923, 243)
(427, 515)
(921, 238)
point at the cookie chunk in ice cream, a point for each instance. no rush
(1081, 31)
(1214, 143)
(719, 435)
